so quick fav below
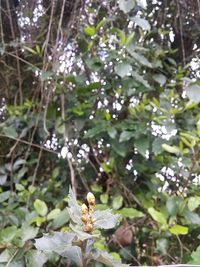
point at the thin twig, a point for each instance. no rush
(16, 51)
(11, 258)
(30, 144)
(181, 33)
(65, 136)
(181, 247)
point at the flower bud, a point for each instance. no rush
(91, 199)
(84, 218)
(88, 227)
(84, 209)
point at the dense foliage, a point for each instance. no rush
(103, 96)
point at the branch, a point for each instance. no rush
(30, 144)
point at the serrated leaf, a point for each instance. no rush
(126, 5)
(193, 92)
(179, 230)
(107, 259)
(123, 69)
(130, 213)
(35, 258)
(142, 23)
(157, 216)
(74, 209)
(40, 207)
(171, 149)
(105, 219)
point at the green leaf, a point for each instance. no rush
(3, 179)
(45, 75)
(53, 214)
(140, 79)
(104, 198)
(107, 259)
(54, 242)
(141, 59)
(171, 149)
(32, 51)
(90, 31)
(60, 243)
(193, 92)
(5, 256)
(126, 5)
(173, 204)
(123, 69)
(35, 258)
(130, 213)
(157, 145)
(193, 203)
(192, 217)
(105, 219)
(80, 233)
(179, 230)
(73, 253)
(112, 132)
(28, 232)
(74, 209)
(40, 207)
(10, 132)
(157, 216)
(4, 196)
(126, 136)
(195, 256)
(117, 202)
(8, 234)
(160, 78)
(142, 145)
(119, 148)
(95, 131)
(142, 23)
(61, 219)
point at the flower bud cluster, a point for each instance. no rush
(87, 213)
